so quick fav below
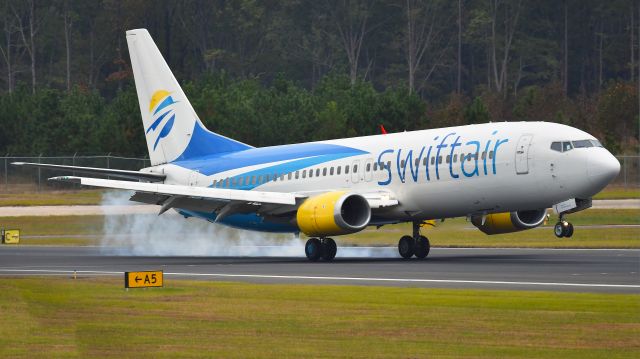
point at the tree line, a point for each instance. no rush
(270, 72)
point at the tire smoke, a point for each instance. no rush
(173, 235)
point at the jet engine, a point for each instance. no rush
(507, 222)
(333, 213)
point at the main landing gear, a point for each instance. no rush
(418, 245)
(324, 248)
(563, 228)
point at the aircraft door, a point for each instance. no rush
(522, 154)
(368, 170)
(355, 171)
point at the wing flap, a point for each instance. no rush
(206, 193)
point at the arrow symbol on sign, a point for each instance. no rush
(138, 279)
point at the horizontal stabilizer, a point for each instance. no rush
(132, 175)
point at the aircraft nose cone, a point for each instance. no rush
(602, 168)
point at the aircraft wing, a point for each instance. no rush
(134, 175)
(223, 201)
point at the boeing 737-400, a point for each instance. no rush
(501, 176)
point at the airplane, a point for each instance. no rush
(502, 176)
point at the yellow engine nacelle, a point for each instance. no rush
(507, 222)
(333, 213)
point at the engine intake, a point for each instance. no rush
(333, 213)
(508, 222)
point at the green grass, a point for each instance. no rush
(619, 193)
(51, 198)
(95, 317)
(85, 230)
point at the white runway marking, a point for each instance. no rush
(324, 278)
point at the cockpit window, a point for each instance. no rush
(569, 145)
(596, 143)
(582, 144)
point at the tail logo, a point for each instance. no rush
(161, 108)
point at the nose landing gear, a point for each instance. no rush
(563, 229)
(417, 246)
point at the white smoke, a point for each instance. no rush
(170, 234)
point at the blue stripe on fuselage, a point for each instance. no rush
(298, 156)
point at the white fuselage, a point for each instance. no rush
(506, 167)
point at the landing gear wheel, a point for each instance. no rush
(405, 247)
(558, 230)
(563, 229)
(569, 230)
(329, 249)
(313, 249)
(422, 247)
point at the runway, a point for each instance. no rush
(614, 271)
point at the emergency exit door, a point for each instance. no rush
(522, 154)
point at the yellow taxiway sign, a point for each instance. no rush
(143, 279)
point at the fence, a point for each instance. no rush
(18, 179)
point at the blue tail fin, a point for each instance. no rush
(172, 129)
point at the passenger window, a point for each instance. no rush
(448, 158)
(417, 162)
(566, 146)
(433, 160)
(324, 171)
(490, 155)
(331, 171)
(375, 166)
(355, 168)
(289, 176)
(368, 167)
(304, 174)
(389, 164)
(310, 173)
(424, 161)
(266, 178)
(469, 157)
(282, 177)
(401, 164)
(455, 158)
(234, 182)
(439, 159)
(297, 174)
(484, 155)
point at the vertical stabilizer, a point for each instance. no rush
(172, 129)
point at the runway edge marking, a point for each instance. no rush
(353, 279)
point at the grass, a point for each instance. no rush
(51, 198)
(619, 193)
(95, 317)
(86, 230)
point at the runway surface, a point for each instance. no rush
(614, 271)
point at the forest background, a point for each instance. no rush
(270, 72)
